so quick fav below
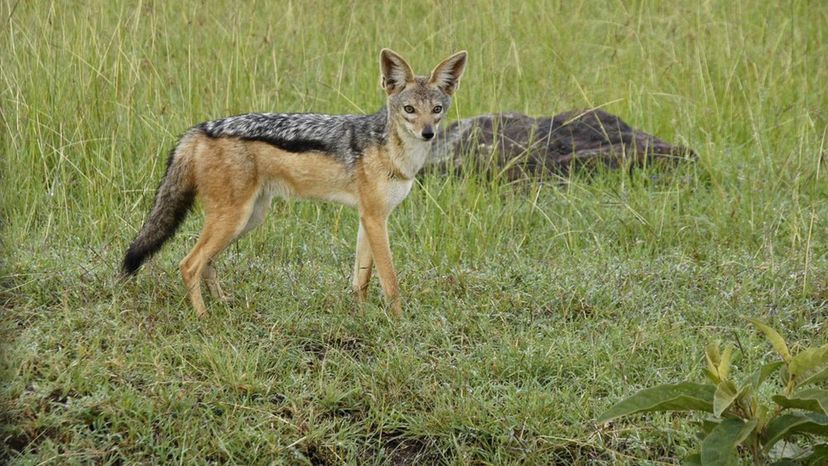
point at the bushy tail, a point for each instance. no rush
(173, 201)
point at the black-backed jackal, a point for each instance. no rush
(236, 165)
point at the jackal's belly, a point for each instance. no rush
(322, 190)
(307, 175)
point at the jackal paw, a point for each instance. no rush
(360, 295)
(218, 294)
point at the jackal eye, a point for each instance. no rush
(408, 109)
(437, 109)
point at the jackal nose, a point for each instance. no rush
(428, 133)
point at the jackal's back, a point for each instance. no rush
(344, 137)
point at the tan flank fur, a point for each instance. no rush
(235, 167)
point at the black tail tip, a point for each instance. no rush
(132, 262)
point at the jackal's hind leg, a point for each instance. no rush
(257, 215)
(222, 226)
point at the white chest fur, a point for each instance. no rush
(396, 191)
(413, 156)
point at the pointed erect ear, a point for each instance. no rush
(446, 76)
(396, 73)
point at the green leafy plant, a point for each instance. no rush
(741, 423)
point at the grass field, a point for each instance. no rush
(528, 309)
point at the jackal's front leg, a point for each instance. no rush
(376, 229)
(362, 265)
(211, 278)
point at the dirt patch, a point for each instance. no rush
(403, 449)
(352, 346)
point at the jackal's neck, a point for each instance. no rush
(406, 152)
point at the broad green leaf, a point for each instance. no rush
(761, 374)
(705, 426)
(808, 361)
(724, 365)
(785, 462)
(685, 396)
(812, 399)
(711, 376)
(713, 358)
(719, 448)
(818, 456)
(713, 355)
(723, 397)
(761, 414)
(693, 459)
(784, 377)
(789, 424)
(775, 338)
(820, 376)
(746, 390)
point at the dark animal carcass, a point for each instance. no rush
(518, 146)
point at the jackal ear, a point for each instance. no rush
(396, 72)
(446, 75)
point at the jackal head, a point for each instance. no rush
(416, 104)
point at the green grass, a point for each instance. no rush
(528, 309)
